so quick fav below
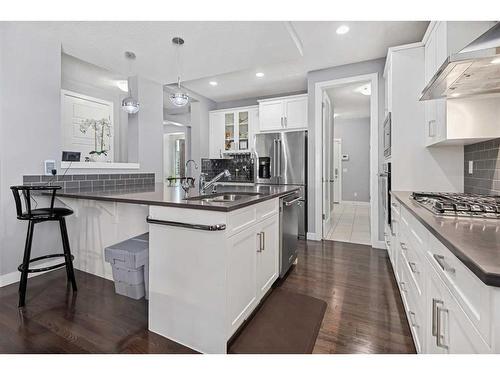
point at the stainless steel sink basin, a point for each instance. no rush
(223, 197)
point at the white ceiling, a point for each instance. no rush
(322, 48)
(348, 102)
(231, 52)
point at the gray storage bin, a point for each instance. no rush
(129, 254)
(142, 237)
(129, 261)
(132, 291)
(128, 275)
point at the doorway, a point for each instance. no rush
(349, 127)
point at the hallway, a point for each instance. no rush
(351, 223)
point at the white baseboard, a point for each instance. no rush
(313, 236)
(379, 245)
(14, 277)
(356, 203)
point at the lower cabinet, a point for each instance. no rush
(444, 314)
(253, 267)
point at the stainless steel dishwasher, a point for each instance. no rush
(289, 230)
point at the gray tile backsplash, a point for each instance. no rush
(239, 165)
(485, 178)
(92, 181)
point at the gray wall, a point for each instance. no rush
(344, 71)
(31, 130)
(355, 136)
(485, 177)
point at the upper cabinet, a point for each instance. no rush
(286, 113)
(231, 130)
(444, 38)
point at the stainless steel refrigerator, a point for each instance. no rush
(281, 159)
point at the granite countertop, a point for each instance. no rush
(476, 242)
(160, 194)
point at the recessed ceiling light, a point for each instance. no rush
(259, 74)
(213, 83)
(455, 94)
(343, 29)
(365, 89)
(496, 61)
(335, 115)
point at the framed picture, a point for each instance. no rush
(243, 144)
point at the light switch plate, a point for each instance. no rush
(49, 166)
(471, 166)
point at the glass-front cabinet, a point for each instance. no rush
(231, 130)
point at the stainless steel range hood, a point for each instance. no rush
(474, 70)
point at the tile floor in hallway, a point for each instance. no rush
(351, 223)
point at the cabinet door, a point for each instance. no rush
(216, 135)
(296, 112)
(271, 115)
(268, 256)
(241, 276)
(243, 133)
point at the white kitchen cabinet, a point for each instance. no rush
(208, 282)
(231, 130)
(443, 39)
(449, 310)
(216, 135)
(286, 113)
(268, 255)
(241, 274)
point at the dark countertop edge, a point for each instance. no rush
(191, 206)
(488, 278)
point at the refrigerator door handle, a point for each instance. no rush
(275, 159)
(278, 158)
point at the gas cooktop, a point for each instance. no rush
(460, 204)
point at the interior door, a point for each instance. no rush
(337, 171)
(327, 164)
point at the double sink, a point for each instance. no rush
(226, 197)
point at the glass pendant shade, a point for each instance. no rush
(179, 99)
(130, 105)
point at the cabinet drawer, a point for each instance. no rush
(413, 308)
(267, 209)
(413, 262)
(473, 296)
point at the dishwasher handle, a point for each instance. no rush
(290, 203)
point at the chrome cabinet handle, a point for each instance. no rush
(435, 302)
(403, 246)
(431, 132)
(413, 267)
(259, 249)
(263, 239)
(286, 122)
(403, 288)
(412, 319)
(439, 336)
(442, 263)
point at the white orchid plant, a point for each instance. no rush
(102, 129)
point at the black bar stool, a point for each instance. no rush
(38, 215)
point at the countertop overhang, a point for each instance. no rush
(160, 194)
(475, 241)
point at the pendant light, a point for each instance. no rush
(178, 98)
(130, 104)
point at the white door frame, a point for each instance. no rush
(318, 143)
(339, 141)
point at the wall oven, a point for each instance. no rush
(387, 135)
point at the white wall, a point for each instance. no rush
(30, 129)
(344, 71)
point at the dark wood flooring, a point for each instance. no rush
(364, 314)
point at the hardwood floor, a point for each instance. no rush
(364, 314)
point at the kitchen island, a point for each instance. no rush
(211, 259)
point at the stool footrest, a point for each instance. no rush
(43, 269)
